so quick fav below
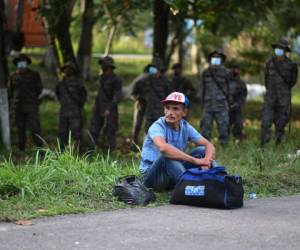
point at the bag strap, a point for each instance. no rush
(215, 170)
(218, 84)
(279, 72)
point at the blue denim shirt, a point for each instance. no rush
(178, 139)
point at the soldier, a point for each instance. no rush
(154, 89)
(180, 83)
(238, 93)
(106, 105)
(280, 76)
(72, 95)
(215, 97)
(25, 86)
(139, 105)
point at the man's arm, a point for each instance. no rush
(210, 150)
(173, 153)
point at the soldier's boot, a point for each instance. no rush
(279, 137)
(265, 137)
(37, 140)
(22, 138)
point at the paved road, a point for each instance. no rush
(272, 223)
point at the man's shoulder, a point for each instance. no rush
(158, 125)
(290, 61)
(186, 124)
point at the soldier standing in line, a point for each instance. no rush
(72, 95)
(25, 86)
(139, 105)
(105, 113)
(181, 83)
(215, 97)
(155, 87)
(280, 76)
(238, 93)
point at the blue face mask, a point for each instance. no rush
(22, 65)
(215, 61)
(279, 52)
(152, 70)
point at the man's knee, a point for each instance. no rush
(198, 152)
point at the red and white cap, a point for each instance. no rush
(176, 97)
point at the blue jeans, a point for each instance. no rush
(164, 173)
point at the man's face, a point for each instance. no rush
(174, 112)
(235, 71)
(178, 71)
(68, 71)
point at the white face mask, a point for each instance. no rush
(152, 70)
(215, 61)
(22, 65)
(279, 52)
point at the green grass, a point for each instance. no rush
(62, 183)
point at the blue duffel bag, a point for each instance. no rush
(209, 188)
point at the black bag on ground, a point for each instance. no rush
(130, 190)
(209, 188)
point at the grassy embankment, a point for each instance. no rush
(61, 183)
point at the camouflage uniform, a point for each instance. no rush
(108, 97)
(72, 95)
(215, 101)
(180, 83)
(154, 88)
(25, 86)
(238, 93)
(139, 107)
(280, 77)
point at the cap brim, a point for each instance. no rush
(169, 101)
(274, 45)
(16, 60)
(222, 55)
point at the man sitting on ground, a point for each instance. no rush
(163, 153)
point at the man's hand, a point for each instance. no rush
(204, 163)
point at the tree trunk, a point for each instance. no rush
(196, 56)
(110, 39)
(176, 44)
(161, 29)
(4, 112)
(62, 33)
(86, 38)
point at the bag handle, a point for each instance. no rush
(125, 178)
(214, 170)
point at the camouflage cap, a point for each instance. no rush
(107, 61)
(218, 51)
(22, 57)
(283, 44)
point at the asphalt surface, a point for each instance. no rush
(272, 223)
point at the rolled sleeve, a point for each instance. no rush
(193, 134)
(156, 130)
